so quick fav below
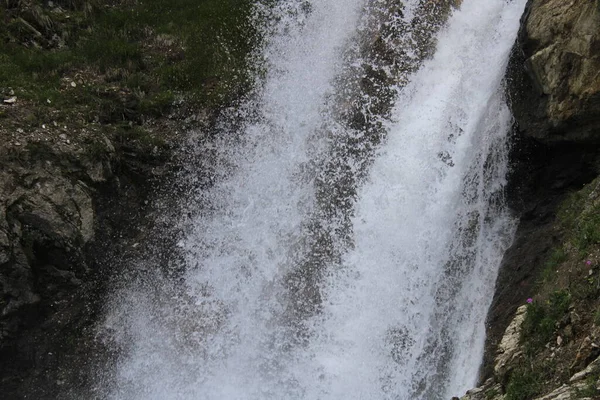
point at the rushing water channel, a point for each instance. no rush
(349, 245)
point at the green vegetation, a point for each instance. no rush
(597, 317)
(138, 135)
(523, 384)
(491, 393)
(587, 232)
(148, 50)
(541, 320)
(580, 216)
(569, 278)
(530, 378)
(589, 390)
(557, 257)
(40, 151)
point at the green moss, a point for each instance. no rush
(571, 208)
(587, 230)
(597, 317)
(139, 137)
(96, 149)
(112, 49)
(157, 105)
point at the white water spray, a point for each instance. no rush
(401, 316)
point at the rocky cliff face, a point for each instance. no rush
(95, 98)
(46, 220)
(543, 325)
(67, 214)
(560, 94)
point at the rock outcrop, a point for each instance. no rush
(559, 96)
(46, 219)
(90, 115)
(66, 211)
(508, 349)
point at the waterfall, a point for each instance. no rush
(331, 259)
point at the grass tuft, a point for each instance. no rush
(556, 258)
(523, 384)
(541, 320)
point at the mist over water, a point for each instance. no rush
(332, 259)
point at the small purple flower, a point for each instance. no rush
(588, 262)
(529, 300)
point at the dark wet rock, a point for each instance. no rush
(46, 219)
(67, 216)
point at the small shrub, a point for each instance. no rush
(571, 207)
(40, 151)
(491, 393)
(540, 321)
(139, 137)
(523, 384)
(582, 222)
(586, 289)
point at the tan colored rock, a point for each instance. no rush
(509, 349)
(592, 368)
(564, 392)
(489, 391)
(588, 350)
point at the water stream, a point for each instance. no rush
(350, 241)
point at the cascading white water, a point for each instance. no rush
(400, 315)
(404, 315)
